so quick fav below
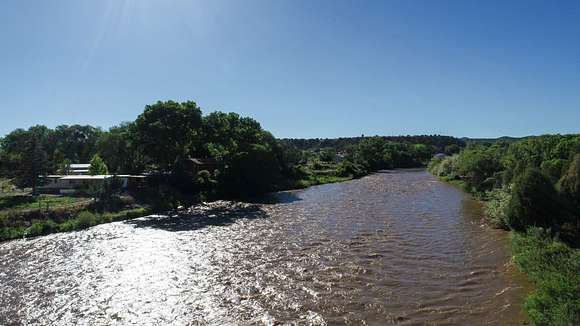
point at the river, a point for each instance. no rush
(397, 248)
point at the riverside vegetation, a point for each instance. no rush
(532, 187)
(250, 162)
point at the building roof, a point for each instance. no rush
(85, 177)
(204, 161)
(93, 177)
(79, 166)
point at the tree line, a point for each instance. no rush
(167, 134)
(531, 186)
(439, 143)
(540, 174)
(159, 142)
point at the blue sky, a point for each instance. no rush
(301, 68)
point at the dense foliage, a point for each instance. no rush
(249, 160)
(168, 132)
(534, 202)
(438, 143)
(27, 154)
(555, 269)
(541, 174)
(531, 186)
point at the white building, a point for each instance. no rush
(78, 169)
(67, 184)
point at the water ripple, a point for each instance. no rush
(394, 248)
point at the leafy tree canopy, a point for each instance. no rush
(168, 132)
(98, 166)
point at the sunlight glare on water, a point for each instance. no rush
(391, 248)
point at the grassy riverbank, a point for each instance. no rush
(36, 202)
(82, 220)
(313, 177)
(551, 264)
(554, 267)
(29, 216)
(25, 215)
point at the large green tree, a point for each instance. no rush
(478, 168)
(372, 151)
(119, 149)
(168, 132)
(25, 155)
(251, 172)
(75, 143)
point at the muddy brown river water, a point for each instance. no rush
(394, 248)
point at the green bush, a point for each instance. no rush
(534, 202)
(478, 168)
(317, 165)
(41, 227)
(553, 169)
(85, 220)
(67, 226)
(555, 269)
(497, 204)
(7, 233)
(350, 169)
(445, 167)
(124, 215)
(570, 182)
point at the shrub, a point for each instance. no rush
(477, 167)
(553, 169)
(302, 184)
(497, 204)
(350, 169)
(67, 226)
(7, 233)
(555, 268)
(328, 155)
(125, 215)
(445, 167)
(41, 227)
(534, 201)
(85, 220)
(317, 165)
(570, 182)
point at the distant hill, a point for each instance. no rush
(492, 140)
(437, 142)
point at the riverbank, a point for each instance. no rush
(82, 220)
(551, 264)
(43, 215)
(553, 267)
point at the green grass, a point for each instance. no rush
(43, 201)
(314, 180)
(83, 220)
(7, 233)
(125, 214)
(327, 173)
(555, 269)
(456, 182)
(322, 179)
